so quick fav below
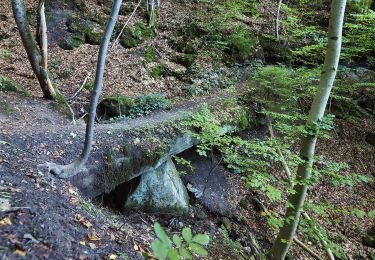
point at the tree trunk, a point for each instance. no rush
(66, 171)
(278, 18)
(296, 200)
(37, 57)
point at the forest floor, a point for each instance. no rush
(48, 218)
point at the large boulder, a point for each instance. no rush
(160, 191)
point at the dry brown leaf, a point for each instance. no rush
(93, 236)
(82, 220)
(20, 252)
(5, 222)
(73, 200)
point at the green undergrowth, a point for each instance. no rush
(119, 107)
(7, 85)
(216, 32)
(282, 96)
(304, 39)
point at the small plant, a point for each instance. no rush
(180, 248)
(187, 164)
(4, 53)
(150, 54)
(144, 105)
(157, 71)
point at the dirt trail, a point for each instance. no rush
(36, 133)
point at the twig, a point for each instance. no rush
(123, 28)
(302, 245)
(308, 250)
(283, 160)
(80, 89)
(322, 241)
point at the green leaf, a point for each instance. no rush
(371, 214)
(202, 239)
(176, 240)
(186, 234)
(359, 213)
(173, 255)
(198, 249)
(159, 249)
(185, 253)
(160, 233)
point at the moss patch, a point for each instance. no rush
(150, 54)
(9, 86)
(186, 60)
(157, 71)
(141, 33)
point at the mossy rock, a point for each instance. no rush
(186, 60)
(94, 38)
(112, 107)
(273, 51)
(8, 86)
(241, 45)
(73, 41)
(141, 33)
(76, 24)
(82, 31)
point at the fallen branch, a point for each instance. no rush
(80, 89)
(123, 28)
(308, 250)
(298, 242)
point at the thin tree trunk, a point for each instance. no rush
(66, 171)
(278, 18)
(38, 60)
(296, 200)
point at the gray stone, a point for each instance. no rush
(160, 191)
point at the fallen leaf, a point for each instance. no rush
(113, 256)
(82, 220)
(72, 191)
(92, 245)
(82, 243)
(5, 205)
(20, 252)
(73, 200)
(93, 236)
(29, 236)
(5, 222)
(136, 248)
(112, 236)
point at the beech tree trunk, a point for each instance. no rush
(37, 54)
(296, 200)
(66, 171)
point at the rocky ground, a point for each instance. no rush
(45, 217)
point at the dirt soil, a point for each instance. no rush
(49, 219)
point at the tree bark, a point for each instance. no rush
(296, 200)
(278, 18)
(37, 56)
(66, 171)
